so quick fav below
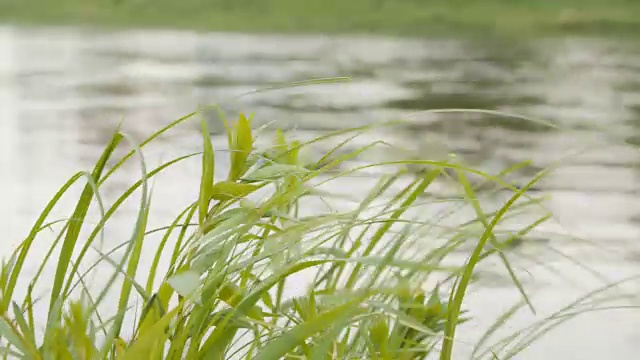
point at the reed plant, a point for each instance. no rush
(374, 283)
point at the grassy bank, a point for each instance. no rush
(406, 17)
(378, 285)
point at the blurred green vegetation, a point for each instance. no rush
(395, 17)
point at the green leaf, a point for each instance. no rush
(244, 136)
(218, 353)
(79, 214)
(275, 171)
(294, 152)
(22, 324)
(250, 300)
(227, 190)
(458, 292)
(327, 347)
(419, 189)
(134, 253)
(206, 181)
(185, 283)
(6, 351)
(150, 139)
(281, 141)
(296, 336)
(145, 343)
(11, 334)
(242, 145)
(379, 335)
(288, 85)
(232, 294)
(473, 199)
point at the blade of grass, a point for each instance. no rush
(473, 199)
(460, 289)
(279, 347)
(112, 210)
(318, 81)
(429, 177)
(80, 212)
(143, 144)
(206, 181)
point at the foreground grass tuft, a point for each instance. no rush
(376, 287)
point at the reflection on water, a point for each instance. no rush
(63, 91)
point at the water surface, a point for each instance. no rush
(63, 91)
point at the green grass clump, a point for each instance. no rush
(376, 286)
(404, 17)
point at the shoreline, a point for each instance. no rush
(358, 17)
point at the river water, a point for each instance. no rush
(64, 90)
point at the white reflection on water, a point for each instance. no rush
(62, 92)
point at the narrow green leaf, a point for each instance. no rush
(206, 181)
(154, 136)
(428, 178)
(218, 353)
(145, 343)
(26, 244)
(250, 300)
(11, 334)
(133, 252)
(227, 190)
(318, 81)
(240, 147)
(112, 210)
(132, 266)
(379, 334)
(6, 351)
(458, 292)
(78, 216)
(27, 332)
(473, 199)
(161, 250)
(274, 172)
(296, 336)
(232, 295)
